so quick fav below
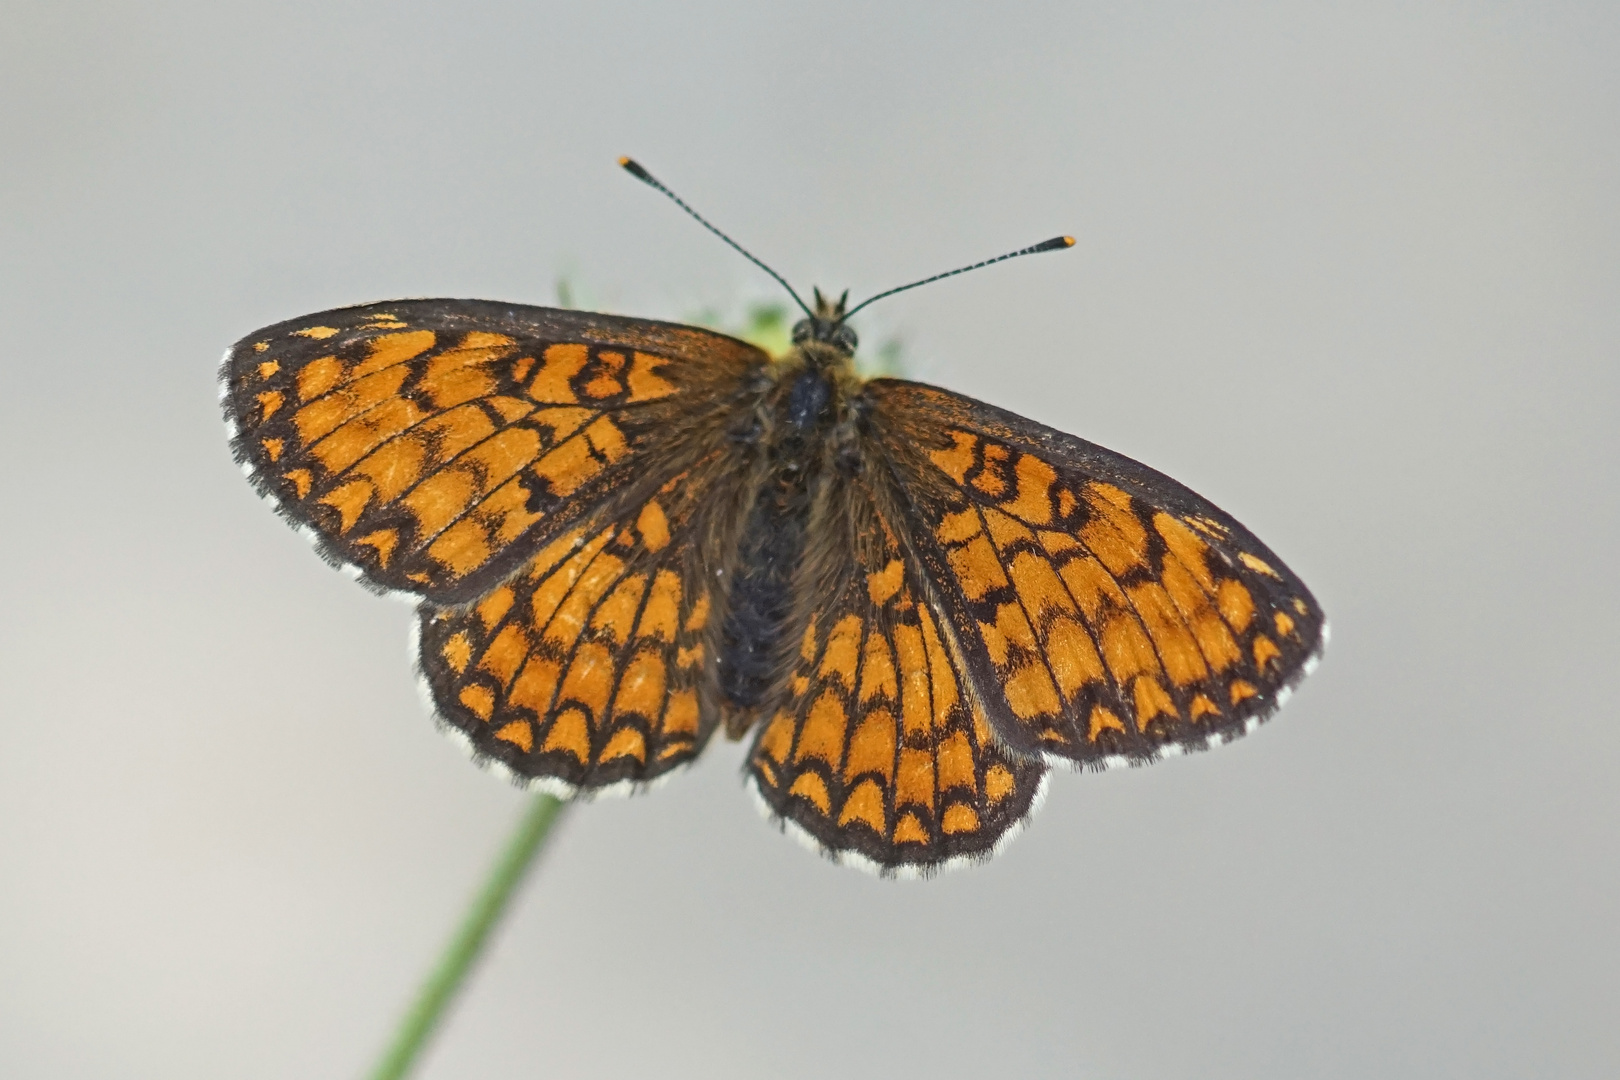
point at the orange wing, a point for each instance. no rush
(435, 445)
(587, 668)
(879, 754)
(1107, 614)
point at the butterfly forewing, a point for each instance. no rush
(437, 444)
(879, 752)
(1106, 613)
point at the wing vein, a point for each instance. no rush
(1034, 627)
(1136, 613)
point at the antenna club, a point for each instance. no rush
(630, 166)
(1057, 243)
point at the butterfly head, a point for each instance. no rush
(827, 325)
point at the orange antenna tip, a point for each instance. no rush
(630, 166)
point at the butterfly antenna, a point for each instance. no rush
(1057, 243)
(651, 181)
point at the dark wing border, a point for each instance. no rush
(537, 324)
(1085, 461)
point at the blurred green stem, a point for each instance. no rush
(450, 972)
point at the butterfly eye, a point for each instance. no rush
(837, 334)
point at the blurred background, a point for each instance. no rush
(1349, 270)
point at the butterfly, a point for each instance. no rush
(625, 536)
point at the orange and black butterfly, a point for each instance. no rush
(627, 535)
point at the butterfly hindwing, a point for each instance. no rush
(879, 752)
(1106, 612)
(587, 668)
(435, 445)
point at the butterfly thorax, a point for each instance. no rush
(799, 439)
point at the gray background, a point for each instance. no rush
(1351, 273)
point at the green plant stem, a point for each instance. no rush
(459, 956)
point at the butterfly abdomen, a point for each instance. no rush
(786, 448)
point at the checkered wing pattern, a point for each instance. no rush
(587, 668)
(1105, 612)
(879, 751)
(435, 445)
